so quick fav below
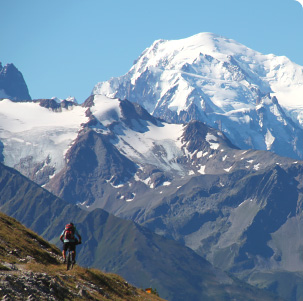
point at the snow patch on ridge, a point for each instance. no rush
(143, 147)
(269, 139)
(106, 110)
(212, 140)
(228, 169)
(202, 170)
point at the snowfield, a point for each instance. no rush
(28, 130)
(142, 146)
(210, 56)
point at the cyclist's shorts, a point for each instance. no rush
(70, 245)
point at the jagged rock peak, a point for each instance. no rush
(12, 83)
(56, 104)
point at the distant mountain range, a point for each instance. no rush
(185, 175)
(255, 99)
(116, 245)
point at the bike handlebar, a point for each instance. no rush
(76, 242)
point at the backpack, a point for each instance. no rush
(69, 232)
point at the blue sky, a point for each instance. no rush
(64, 47)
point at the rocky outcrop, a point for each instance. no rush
(12, 83)
(27, 285)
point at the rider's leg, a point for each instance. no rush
(64, 251)
(73, 249)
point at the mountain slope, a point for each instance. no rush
(247, 224)
(121, 246)
(254, 99)
(121, 163)
(136, 166)
(31, 268)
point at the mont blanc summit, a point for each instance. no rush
(255, 99)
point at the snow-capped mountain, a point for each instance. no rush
(255, 99)
(124, 148)
(43, 138)
(241, 209)
(12, 84)
(37, 135)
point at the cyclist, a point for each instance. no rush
(70, 241)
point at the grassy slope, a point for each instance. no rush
(24, 250)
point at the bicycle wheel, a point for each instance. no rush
(69, 260)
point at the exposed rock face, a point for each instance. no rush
(95, 161)
(54, 105)
(12, 84)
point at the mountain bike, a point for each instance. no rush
(69, 257)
